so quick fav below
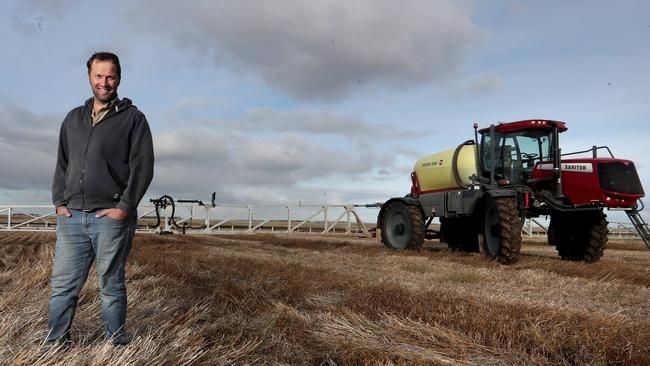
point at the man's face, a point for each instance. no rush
(103, 80)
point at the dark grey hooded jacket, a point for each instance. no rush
(103, 166)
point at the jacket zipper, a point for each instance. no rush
(83, 169)
(83, 161)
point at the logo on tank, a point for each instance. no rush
(433, 163)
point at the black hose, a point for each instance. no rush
(165, 201)
(162, 203)
(454, 163)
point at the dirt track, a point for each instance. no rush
(332, 300)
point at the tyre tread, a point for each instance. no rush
(598, 235)
(417, 219)
(511, 224)
(585, 242)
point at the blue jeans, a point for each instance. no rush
(79, 240)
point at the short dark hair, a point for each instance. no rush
(105, 56)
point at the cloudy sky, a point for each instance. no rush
(320, 101)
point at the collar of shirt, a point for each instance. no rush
(101, 113)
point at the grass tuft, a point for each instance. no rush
(416, 268)
(463, 277)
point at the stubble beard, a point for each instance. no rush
(102, 99)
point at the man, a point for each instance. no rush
(104, 166)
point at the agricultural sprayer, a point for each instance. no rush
(483, 190)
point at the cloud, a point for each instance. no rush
(49, 7)
(257, 166)
(265, 156)
(28, 144)
(321, 123)
(320, 50)
(270, 155)
(31, 16)
(189, 107)
(484, 84)
(477, 85)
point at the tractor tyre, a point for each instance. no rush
(500, 237)
(567, 234)
(580, 238)
(460, 233)
(598, 235)
(403, 227)
(551, 232)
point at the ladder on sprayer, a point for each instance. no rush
(639, 224)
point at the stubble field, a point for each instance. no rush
(313, 300)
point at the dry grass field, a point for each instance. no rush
(313, 300)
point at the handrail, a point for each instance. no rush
(594, 151)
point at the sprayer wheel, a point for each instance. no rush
(598, 234)
(580, 237)
(501, 230)
(460, 233)
(403, 227)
